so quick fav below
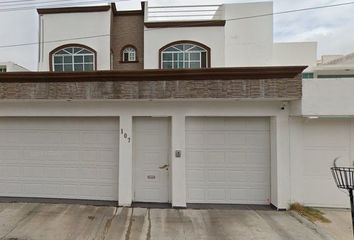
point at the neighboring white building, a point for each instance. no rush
(11, 67)
(332, 66)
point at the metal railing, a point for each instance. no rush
(184, 13)
(344, 179)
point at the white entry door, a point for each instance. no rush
(151, 154)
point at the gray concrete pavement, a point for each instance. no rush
(33, 221)
(340, 227)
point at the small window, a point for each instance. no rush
(129, 54)
(2, 68)
(73, 59)
(307, 75)
(184, 55)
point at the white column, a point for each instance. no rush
(125, 161)
(178, 178)
(280, 160)
(296, 159)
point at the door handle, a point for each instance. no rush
(164, 166)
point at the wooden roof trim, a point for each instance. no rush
(73, 9)
(156, 75)
(179, 24)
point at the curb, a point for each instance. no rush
(311, 225)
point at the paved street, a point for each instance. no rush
(33, 221)
(341, 225)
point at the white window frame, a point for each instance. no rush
(72, 54)
(3, 68)
(131, 54)
(182, 58)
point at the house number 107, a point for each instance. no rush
(125, 135)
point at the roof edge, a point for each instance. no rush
(73, 9)
(157, 74)
(127, 12)
(178, 24)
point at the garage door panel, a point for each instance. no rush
(249, 195)
(196, 195)
(195, 140)
(258, 177)
(98, 139)
(211, 139)
(59, 158)
(216, 176)
(216, 195)
(214, 158)
(235, 139)
(213, 123)
(58, 124)
(257, 140)
(225, 156)
(239, 124)
(257, 124)
(196, 158)
(195, 175)
(53, 190)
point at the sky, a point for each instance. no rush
(332, 28)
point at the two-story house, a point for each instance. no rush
(104, 38)
(202, 106)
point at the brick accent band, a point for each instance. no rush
(290, 88)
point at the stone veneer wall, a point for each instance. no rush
(160, 89)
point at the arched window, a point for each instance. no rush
(184, 54)
(73, 58)
(129, 54)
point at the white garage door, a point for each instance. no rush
(228, 160)
(324, 140)
(74, 158)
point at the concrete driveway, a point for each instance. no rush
(340, 227)
(33, 221)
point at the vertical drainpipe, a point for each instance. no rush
(145, 7)
(39, 40)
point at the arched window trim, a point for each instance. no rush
(122, 51)
(51, 63)
(208, 50)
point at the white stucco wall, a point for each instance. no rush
(296, 53)
(248, 41)
(325, 97)
(80, 29)
(156, 38)
(13, 67)
(314, 144)
(242, 42)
